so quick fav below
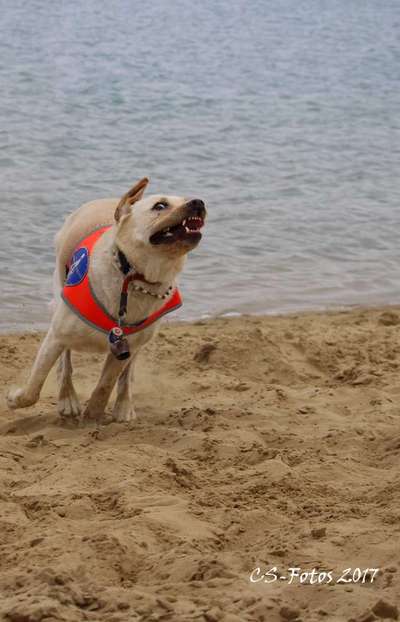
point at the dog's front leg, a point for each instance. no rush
(68, 403)
(123, 408)
(48, 353)
(98, 401)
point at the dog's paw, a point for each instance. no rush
(69, 407)
(93, 414)
(17, 398)
(123, 412)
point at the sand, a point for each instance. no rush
(260, 442)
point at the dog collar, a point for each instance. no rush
(131, 274)
(126, 268)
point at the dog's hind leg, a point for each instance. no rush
(48, 353)
(98, 401)
(123, 408)
(68, 403)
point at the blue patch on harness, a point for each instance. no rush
(78, 268)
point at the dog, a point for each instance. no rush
(117, 262)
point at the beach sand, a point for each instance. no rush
(260, 442)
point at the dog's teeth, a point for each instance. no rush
(184, 223)
(187, 229)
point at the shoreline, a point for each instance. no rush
(233, 315)
(260, 442)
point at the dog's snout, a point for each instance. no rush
(197, 207)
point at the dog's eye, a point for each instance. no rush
(161, 205)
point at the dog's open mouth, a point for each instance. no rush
(186, 231)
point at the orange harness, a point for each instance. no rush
(77, 293)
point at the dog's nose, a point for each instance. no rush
(197, 207)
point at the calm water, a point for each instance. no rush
(283, 115)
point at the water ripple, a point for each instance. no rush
(283, 116)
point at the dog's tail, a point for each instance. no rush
(58, 276)
(56, 291)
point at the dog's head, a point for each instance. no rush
(159, 228)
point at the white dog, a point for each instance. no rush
(117, 261)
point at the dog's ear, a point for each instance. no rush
(133, 195)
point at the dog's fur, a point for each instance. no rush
(133, 223)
